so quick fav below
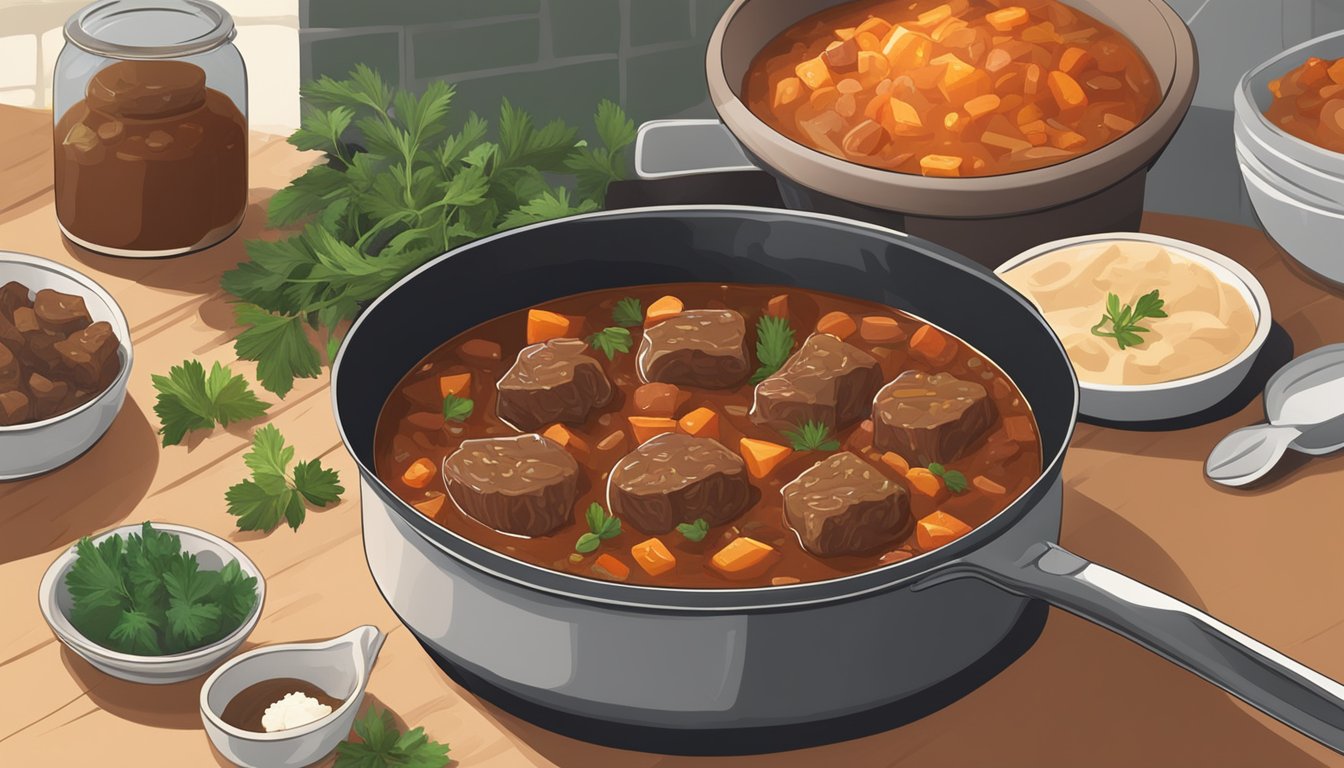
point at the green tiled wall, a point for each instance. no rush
(555, 58)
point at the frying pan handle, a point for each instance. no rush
(1280, 687)
(667, 148)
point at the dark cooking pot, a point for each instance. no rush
(573, 651)
(988, 218)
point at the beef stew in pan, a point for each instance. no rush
(698, 435)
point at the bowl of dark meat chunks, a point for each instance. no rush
(65, 358)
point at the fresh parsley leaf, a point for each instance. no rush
(628, 313)
(601, 526)
(954, 480)
(610, 341)
(143, 595)
(1125, 328)
(278, 345)
(774, 343)
(696, 531)
(407, 180)
(812, 436)
(457, 408)
(188, 399)
(273, 493)
(381, 745)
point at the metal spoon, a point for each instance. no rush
(1304, 404)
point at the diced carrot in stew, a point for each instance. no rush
(925, 482)
(1005, 19)
(1336, 71)
(762, 456)
(814, 73)
(1074, 59)
(419, 474)
(982, 105)
(543, 325)
(662, 309)
(897, 462)
(844, 33)
(1067, 92)
(567, 438)
(778, 306)
(649, 427)
(743, 558)
(838, 324)
(988, 486)
(938, 529)
(431, 506)
(701, 422)
(653, 556)
(1019, 428)
(874, 25)
(931, 344)
(940, 165)
(787, 91)
(609, 567)
(456, 384)
(880, 329)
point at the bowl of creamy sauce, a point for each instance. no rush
(1155, 327)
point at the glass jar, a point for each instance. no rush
(150, 127)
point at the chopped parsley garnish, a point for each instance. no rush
(812, 436)
(609, 341)
(602, 525)
(457, 408)
(1125, 328)
(774, 342)
(628, 313)
(954, 480)
(274, 493)
(696, 531)
(190, 400)
(143, 595)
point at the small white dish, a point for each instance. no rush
(340, 666)
(211, 552)
(1178, 397)
(41, 446)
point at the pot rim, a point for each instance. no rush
(963, 198)
(733, 599)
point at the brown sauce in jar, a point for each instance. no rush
(247, 708)
(151, 160)
(411, 428)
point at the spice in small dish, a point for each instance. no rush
(1132, 312)
(278, 704)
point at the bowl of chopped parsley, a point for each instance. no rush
(152, 603)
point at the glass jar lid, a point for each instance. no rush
(150, 29)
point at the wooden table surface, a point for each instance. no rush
(1268, 561)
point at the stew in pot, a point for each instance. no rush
(955, 88)
(704, 435)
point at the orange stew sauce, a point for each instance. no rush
(1309, 103)
(959, 88)
(413, 438)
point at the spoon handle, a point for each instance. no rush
(1249, 453)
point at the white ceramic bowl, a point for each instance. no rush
(340, 666)
(1179, 397)
(41, 446)
(1296, 187)
(211, 551)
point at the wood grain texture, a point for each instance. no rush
(1267, 561)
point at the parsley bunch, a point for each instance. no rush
(602, 525)
(954, 480)
(143, 595)
(812, 436)
(274, 492)
(190, 400)
(381, 745)
(403, 184)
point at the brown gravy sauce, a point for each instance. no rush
(246, 709)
